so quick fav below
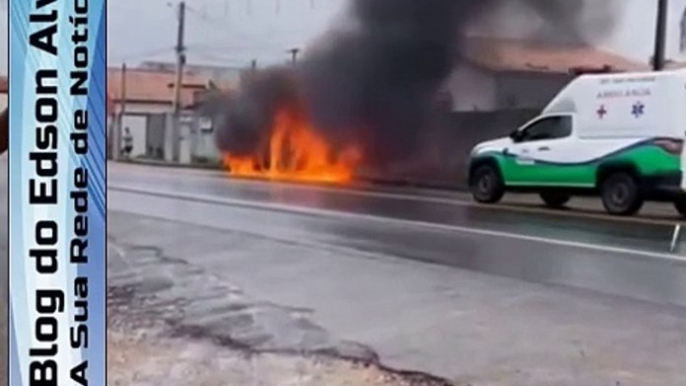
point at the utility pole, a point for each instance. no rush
(661, 35)
(294, 55)
(119, 124)
(178, 84)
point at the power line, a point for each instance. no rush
(237, 46)
(238, 60)
(142, 54)
(223, 61)
(249, 7)
(219, 22)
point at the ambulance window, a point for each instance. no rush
(548, 128)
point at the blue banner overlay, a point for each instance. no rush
(57, 192)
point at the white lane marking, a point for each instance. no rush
(399, 222)
(675, 237)
(458, 200)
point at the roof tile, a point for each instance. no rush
(151, 86)
(502, 54)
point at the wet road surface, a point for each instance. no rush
(629, 257)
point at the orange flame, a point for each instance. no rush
(296, 152)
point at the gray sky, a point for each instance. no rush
(233, 32)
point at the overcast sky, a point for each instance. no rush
(233, 32)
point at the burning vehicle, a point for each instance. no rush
(272, 135)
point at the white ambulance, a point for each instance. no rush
(619, 136)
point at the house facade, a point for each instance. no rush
(145, 96)
(497, 74)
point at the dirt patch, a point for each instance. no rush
(141, 358)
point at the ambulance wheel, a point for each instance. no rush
(621, 195)
(486, 185)
(680, 205)
(555, 200)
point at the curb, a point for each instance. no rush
(164, 164)
(396, 183)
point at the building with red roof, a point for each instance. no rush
(146, 96)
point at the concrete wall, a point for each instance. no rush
(472, 89)
(196, 139)
(204, 147)
(475, 89)
(156, 136)
(527, 90)
(137, 124)
(443, 159)
(147, 122)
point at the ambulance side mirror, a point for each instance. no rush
(516, 135)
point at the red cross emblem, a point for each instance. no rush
(602, 112)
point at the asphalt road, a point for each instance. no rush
(425, 281)
(628, 257)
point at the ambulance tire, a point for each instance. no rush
(680, 206)
(621, 194)
(555, 200)
(487, 185)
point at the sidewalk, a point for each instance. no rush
(160, 163)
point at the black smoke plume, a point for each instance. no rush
(374, 79)
(244, 119)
